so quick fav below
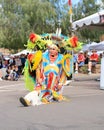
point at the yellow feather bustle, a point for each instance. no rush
(36, 60)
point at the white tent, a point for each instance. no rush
(94, 46)
(98, 46)
(88, 46)
(92, 21)
(23, 52)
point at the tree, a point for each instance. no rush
(83, 9)
(19, 18)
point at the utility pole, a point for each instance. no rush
(58, 30)
(72, 33)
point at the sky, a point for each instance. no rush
(75, 1)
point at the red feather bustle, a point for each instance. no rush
(33, 37)
(69, 2)
(74, 41)
(30, 57)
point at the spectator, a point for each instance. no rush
(75, 58)
(17, 74)
(80, 61)
(12, 60)
(8, 71)
(93, 60)
(99, 58)
(23, 59)
(18, 63)
(86, 55)
(12, 73)
(1, 62)
(3, 72)
(0, 75)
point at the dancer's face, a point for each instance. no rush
(53, 51)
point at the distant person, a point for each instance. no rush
(86, 57)
(1, 62)
(80, 61)
(99, 58)
(18, 63)
(75, 56)
(23, 59)
(0, 75)
(93, 60)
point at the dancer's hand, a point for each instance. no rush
(39, 81)
(59, 87)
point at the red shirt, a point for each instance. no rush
(94, 57)
(81, 58)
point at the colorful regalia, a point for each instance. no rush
(45, 72)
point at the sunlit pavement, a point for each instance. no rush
(83, 111)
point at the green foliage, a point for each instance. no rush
(20, 17)
(84, 9)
